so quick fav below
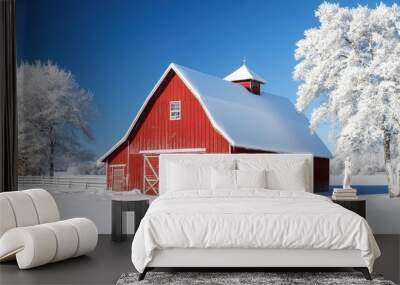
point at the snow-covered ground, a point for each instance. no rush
(95, 205)
(77, 201)
(377, 179)
(383, 214)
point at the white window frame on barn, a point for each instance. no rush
(174, 110)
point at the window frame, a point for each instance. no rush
(172, 115)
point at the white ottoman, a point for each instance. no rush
(33, 243)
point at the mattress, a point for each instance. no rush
(250, 219)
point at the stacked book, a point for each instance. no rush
(344, 194)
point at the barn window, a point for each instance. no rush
(175, 110)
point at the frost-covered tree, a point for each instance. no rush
(350, 67)
(53, 114)
(86, 168)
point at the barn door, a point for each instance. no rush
(118, 179)
(150, 171)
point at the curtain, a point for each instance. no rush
(8, 98)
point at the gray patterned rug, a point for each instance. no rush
(269, 278)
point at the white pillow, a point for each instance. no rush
(282, 174)
(292, 179)
(188, 174)
(251, 178)
(187, 177)
(223, 179)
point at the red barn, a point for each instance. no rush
(191, 112)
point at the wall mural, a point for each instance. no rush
(84, 119)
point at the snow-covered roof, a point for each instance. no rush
(267, 122)
(244, 73)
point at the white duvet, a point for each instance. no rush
(250, 219)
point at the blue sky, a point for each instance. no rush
(118, 49)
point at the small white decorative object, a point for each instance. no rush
(347, 174)
(397, 180)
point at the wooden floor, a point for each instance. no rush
(110, 260)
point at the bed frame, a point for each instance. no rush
(236, 259)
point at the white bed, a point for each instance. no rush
(201, 220)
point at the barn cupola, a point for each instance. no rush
(247, 78)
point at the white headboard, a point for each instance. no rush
(202, 159)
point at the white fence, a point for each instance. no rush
(89, 182)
